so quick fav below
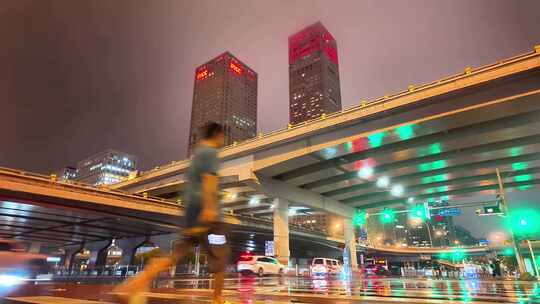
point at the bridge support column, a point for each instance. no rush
(350, 242)
(129, 249)
(70, 254)
(101, 258)
(281, 230)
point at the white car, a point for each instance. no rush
(260, 265)
(324, 266)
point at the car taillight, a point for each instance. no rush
(246, 258)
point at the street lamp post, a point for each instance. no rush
(429, 233)
(519, 258)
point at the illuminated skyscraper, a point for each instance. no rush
(225, 92)
(105, 168)
(314, 87)
(67, 174)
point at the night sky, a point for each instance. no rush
(77, 77)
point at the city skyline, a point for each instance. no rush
(352, 141)
(107, 84)
(147, 104)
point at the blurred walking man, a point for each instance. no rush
(203, 225)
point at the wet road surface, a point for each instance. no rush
(272, 290)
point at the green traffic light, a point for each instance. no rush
(387, 216)
(508, 252)
(443, 255)
(419, 212)
(359, 218)
(458, 255)
(524, 222)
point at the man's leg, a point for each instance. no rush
(141, 282)
(218, 255)
(219, 279)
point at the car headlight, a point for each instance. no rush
(7, 280)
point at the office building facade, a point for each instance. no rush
(314, 87)
(106, 168)
(225, 92)
(67, 174)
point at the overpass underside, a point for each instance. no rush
(445, 155)
(36, 208)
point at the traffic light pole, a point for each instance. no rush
(519, 258)
(533, 258)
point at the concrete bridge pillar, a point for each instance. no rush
(129, 249)
(70, 254)
(350, 241)
(101, 258)
(281, 230)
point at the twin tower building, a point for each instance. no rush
(226, 88)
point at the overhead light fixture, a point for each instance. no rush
(254, 201)
(366, 172)
(397, 190)
(383, 182)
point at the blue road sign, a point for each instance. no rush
(449, 212)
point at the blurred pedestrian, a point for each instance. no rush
(203, 220)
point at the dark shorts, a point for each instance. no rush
(213, 239)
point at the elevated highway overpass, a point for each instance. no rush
(38, 208)
(462, 127)
(438, 141)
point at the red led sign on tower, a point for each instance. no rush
(233, 66)
(310, 40)
(202, 74)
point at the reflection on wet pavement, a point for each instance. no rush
(273, 290)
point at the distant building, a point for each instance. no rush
(67, 174)
(419, 235)
(225, 92)
(316, 221)
(314, 87)
(465, 237)
(444, 232)
(106, 168)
